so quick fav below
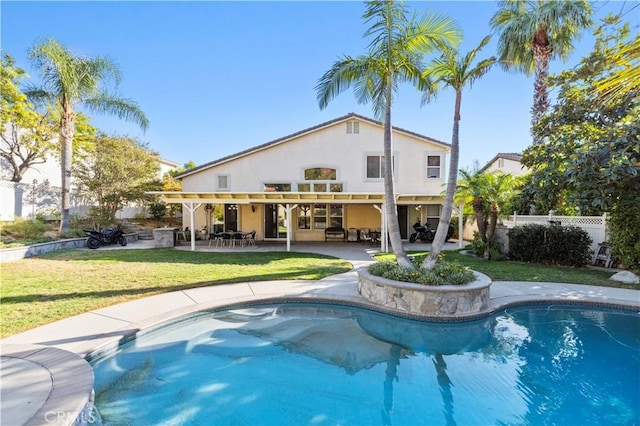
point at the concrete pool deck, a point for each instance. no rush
(44, 379)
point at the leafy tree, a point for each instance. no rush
(118, 171)
(394, 57)
(28, 137)
(591, 154)
(532, 33)
(455, 71)
(68, 81)
(486, 192)
(626, 74)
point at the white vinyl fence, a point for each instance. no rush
(595, 226)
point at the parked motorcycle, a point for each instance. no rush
(423, 233)
(106, 236)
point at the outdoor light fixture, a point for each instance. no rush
(253, 208)
(208, 207)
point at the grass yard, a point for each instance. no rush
(40, 290)
(43, 289)
(518, 271)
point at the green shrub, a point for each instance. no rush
(624, 236)
(552, 245)
(443, 273)
(478, 246)
(25, 229)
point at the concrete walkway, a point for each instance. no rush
(44, 379)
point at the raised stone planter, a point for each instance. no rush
(435, 301)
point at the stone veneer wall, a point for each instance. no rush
(440, 301)
(17, 253)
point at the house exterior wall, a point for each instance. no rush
(507, 166)
(332, 146)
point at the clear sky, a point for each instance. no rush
(215, 78)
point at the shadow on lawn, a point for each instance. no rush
(153, 290)
(180, 256)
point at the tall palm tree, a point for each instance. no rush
(455, 71)
(394, 57)
(70, 81)
(534, 32)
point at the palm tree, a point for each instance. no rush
(486, 192)
(393, 58)
(70, 81)
(455, 71)
(532, 33)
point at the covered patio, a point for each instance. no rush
(192, 201)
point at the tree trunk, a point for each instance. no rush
(494, 211)
(391, 210)
(447, 208)
(478, 209)
(541, 54)
(67, 130)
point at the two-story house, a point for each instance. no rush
(326, 176)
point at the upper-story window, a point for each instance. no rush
(353, 127)
(375, 166)
(320, 173)
(320, 179)
(223, 182)
(434, 166)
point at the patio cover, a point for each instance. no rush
(193, 200)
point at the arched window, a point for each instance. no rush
(320, 173)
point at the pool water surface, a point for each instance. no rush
(319, 364)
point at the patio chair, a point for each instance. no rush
(182, 233)
(216, 238)
(249, 239)
(365, 236)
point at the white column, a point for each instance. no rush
(288, 210)
(192, 207)
(460, 226)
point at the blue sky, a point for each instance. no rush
(215, 78)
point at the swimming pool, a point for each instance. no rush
(320, 364)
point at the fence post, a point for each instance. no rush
(605, 237)
(515, 218)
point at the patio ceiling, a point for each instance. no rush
(290, 197)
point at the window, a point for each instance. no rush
(319, 179)
(433, 215)
(304, 216)
(319, 216)
(433, 166)
(375, 166)
(320, 173)
(353, 127)
(223, 182)
(277, 187)
(335, 215)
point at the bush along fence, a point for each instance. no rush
(550, 244)
(594, 226)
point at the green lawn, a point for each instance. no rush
(518, 271)
(47, 288)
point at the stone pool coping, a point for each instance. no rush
(104, 329)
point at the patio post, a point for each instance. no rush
(192, 207)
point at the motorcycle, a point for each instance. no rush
(106, 236)
(423, 233)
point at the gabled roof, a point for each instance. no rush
(513, 156)
(300, 133)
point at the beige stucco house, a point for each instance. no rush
(508, 163)
(326, 176)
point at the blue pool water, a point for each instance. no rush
(317, 364)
